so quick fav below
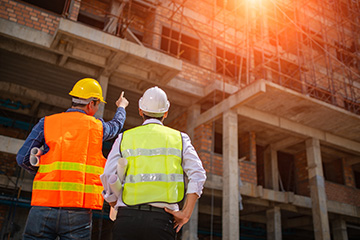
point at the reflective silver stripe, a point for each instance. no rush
(151, 152)
(154, 177)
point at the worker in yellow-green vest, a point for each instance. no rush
(158, 158)
(67, 186)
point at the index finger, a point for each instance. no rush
(122, 94)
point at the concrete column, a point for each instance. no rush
(273, 224)
(191, 228)
(271, 169)
(339, 229)
(104, 81)
(317, 190)
(230, 208)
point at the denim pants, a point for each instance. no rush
(133, 224)
(52, 222)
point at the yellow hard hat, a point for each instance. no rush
(87, 88)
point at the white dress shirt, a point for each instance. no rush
(191, 165)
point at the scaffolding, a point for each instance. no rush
(311, 47)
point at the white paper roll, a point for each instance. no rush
(34, 160)
(121, 168)
(36, 151)
(115, 184)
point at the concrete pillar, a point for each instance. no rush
(271, 169)
(317, 190)
(230, 208)
(273, 224)
(104, 81)
(339, 229)
(191, 228)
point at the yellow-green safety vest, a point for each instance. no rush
(154, 172)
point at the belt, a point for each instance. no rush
(74, 208)
(146, 207)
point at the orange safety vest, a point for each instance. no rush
(68, 175)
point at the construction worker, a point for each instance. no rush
(157, 159)
(67, 186)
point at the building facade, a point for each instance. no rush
(268, 90)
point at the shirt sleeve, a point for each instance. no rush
(112, 128)
(193, 167)
(110, 169)
(35, 139)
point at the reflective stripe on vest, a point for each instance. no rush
(68, 175)
(154, 172)
(67, 186)
(70, 166)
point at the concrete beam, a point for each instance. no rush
(170, 65)
(10, 145)
(287, 142)
(185, 86)
(232, 101)
(230, 223)
(31, 35)
(298, 129)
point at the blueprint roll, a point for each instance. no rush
(34, 160)
(115, 184)
(121, 168)
(36, 151)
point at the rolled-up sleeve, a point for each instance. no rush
(193, 167)
(110, 169)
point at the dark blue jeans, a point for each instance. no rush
(66, 223)
(133, 224)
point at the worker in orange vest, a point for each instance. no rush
(67, 186)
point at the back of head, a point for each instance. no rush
(85, 90)
(154, 102)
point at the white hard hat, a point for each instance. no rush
(154, 102)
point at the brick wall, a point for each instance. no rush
(247, 145)
(74, 9)
(301, 175)
(341, 193)
(179, 123)
(349, 177)
(97, 8)
(29, 16)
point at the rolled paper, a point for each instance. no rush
(121, 168)
(34, 160)
(115, 184)
(36, 151)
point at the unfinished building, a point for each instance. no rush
(268, 90)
